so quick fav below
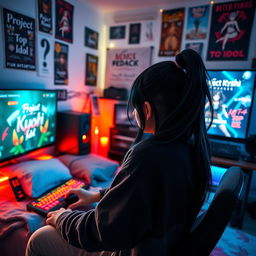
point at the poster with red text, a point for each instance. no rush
(230, 30)
(124, 65)
(172, 28)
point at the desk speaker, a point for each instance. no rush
(73, 132)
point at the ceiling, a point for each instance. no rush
(118, 5)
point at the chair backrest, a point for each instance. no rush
(210, 225)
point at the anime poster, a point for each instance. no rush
(44, 8)
(91, 38)
(125, 64)
(64, 21)
(172, 27)
(197, 22)
(45, 55)
(117, 32)
(231, 30)
(60, 64)
(232, 93)
(19, 35)
(134, 35)
(91, 70)
(148, 31)
(198, 47)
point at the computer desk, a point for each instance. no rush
(248, 168)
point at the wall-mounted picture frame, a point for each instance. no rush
(44, 10)
(60, 64)
(19, 41)
(91, 69)
(64, 21)
(134, 33)
(117, 32)
(91, 38)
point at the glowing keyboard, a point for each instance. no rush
(54, 199)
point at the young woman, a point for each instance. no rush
(154, 199)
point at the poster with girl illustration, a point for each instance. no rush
(231, 30)
(64, 21)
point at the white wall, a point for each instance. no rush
(109, 20)
(84, 15)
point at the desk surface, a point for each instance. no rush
(229, 162)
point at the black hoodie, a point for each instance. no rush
(148, 209)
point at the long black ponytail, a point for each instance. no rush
(177, 92)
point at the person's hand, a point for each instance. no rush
(85, 197)
(54, 215)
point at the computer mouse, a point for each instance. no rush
(72, 198)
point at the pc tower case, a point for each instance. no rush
(73, 132)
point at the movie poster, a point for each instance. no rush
(172, 27)
(197, 22)
(45, 16)
(232, 98)
(91, 70)
(19, 35)
(124, 65)
(117, 32)
(198, 47)
(60, 64)
(91, 38)
(134, 35)
(64, 21)
(45, 55)
(230, 30)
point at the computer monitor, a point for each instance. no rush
(120, 116)
(232, 95)
(28, 121)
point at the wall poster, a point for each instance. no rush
(134, 33)
(44, 8)
(197, 22)
(91, 70)
(60, 64)
(117, 32)
(148, 31)
(231, 30)
(91, 38)
(45, 55)
(19, 35)
(64, 21)
(171, 34)
(124, 65)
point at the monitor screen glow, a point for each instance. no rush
(28, 121)
(232, 95)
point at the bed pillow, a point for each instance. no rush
(91, 167)
(38, 176)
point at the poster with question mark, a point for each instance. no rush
(45, 56)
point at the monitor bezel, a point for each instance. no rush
(45, 146)
(241, 140)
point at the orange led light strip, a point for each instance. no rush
(4, 179)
